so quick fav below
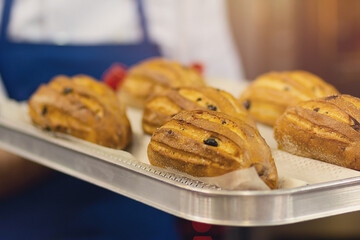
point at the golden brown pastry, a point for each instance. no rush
(270, 94)
(160, 108)
(82, 107)
(208, 143)
(154, 76)
(327, 129)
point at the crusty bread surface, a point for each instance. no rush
(326, 129)
(208, 143)
(82, 107)
(153, 76)
(161, 107)
(271, 93)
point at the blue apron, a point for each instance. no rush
(63, 207)
(23, 66)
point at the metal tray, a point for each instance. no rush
(181, 196)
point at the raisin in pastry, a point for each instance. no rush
(270, 94)
(82, 107)
(161, 107)
(154, 76)
(327, 129)
(200, 144)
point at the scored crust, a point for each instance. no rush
(82, 107)
(326, 129)
(161, 107)
(153, 76)
(270, 94)
(208, 143)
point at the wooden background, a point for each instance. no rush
(321, 36)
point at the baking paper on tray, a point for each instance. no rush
(237, 180)
(293, 171)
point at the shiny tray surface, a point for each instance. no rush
(183, 197)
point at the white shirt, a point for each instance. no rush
(185, 30)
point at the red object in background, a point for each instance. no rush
(198, 67)
(114, 75)
(201, 227)
(188, 230)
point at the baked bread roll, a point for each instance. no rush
(82, 107)
(270, 94)
(327, 129)
(154, 76)
(207, 143)
(160, 108)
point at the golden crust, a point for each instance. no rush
(270, 94)
(326, 129)
(161, 107)
(153, 76)
(208, 143)
(82, 107)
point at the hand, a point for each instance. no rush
(16, 174)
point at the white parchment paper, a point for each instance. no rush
(293, 171)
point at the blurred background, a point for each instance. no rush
(320, 36)
(340, 227)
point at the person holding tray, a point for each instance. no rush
(41, 39)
